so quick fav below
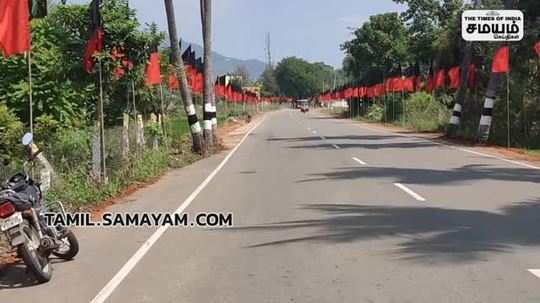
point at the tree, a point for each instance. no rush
(184, 87)
(301, 79)
(208, 94)
(242, 72)
(269, 83)
(378, 47)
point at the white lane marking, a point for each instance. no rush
(410, 192)
(519, 163)
(132, 262)
(359, 161)
(535, 272)
(335, 146)
(497, 157)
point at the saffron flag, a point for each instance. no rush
(14, 27)
(95, 43)
(501, 60)
(153, 73)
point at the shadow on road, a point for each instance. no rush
(346, 137)
(429, 234)
(14, 276)
(460, 175)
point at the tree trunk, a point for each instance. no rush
(455, 120)
(209, 113)
(185, 91)
(491, 95)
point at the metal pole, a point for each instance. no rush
(508, 108)
(162, 110)
(30, 97)
(102, 127)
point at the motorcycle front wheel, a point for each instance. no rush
(69, 247)
(38, 265)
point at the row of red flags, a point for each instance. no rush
(450, 78)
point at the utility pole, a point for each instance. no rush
(268, 52)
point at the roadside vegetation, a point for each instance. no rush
(426, 38)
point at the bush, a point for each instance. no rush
(11, 130)
(424, 114)
(376, 113)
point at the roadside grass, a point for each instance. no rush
(76, 188)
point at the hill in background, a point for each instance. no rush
(224, 64)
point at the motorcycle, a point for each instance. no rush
(22, 221)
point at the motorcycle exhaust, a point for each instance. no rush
(47, 244)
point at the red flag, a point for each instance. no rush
(173, 81)
(153, 74)
(472, 76)
(95, 43)
(440, 79)
(408, 84)
(14, 27)
(429, 84)
(537, 48)
(397, 84)
(501, 60)
(453, 75)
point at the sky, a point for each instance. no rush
(311, 29)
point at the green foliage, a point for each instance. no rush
(378, 47)
(269, 83)
(299, 78)
(376, 112)
(423, 113)
(11, 131)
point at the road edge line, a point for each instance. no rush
(108, 289)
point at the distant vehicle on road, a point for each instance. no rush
(303, 105)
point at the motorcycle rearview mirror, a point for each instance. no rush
(27, 139)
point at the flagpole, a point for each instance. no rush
(508, 107)
(30, 97)
(101, 121)
(162, 109)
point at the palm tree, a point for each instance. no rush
(178, 63)
(208, 94)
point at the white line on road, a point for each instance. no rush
(359, 161)
(335, 146)
(132, 262)
(410, 192)
(519, 163)
(535, 272)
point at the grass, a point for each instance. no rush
(77, 189)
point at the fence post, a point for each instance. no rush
(125, 136)
(154, 122)
(140, 133)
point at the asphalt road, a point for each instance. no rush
(324, 211)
